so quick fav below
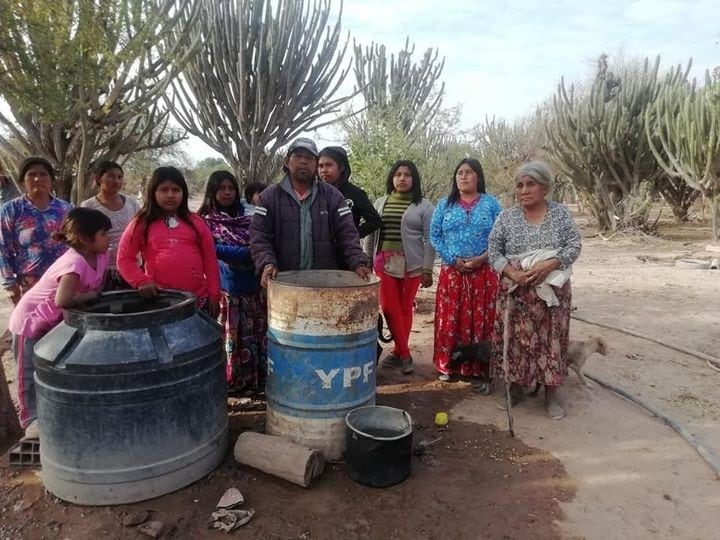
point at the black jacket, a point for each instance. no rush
(366, 218)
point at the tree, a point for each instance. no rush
(261, 77)
(375, 144)
(408, 93)
(683, 130)
(504, 146)
(84, 79)
(402, 119)
(597, 138)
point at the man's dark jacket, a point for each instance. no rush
(275, 230)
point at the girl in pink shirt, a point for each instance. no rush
(175, 245)
(73, 279)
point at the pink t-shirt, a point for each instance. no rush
(36, 313)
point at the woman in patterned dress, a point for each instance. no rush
(120, 208)
(27, 224)
(538, 331)
(242, 306)
(465, 298)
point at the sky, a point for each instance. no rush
(504, 57)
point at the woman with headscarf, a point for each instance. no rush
(533, 246)
(242, 307)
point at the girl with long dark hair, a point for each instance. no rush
(242, 306)
(402, 254)
(175, 245)
(467, 287)
(75, 278)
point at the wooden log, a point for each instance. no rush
(279, 457)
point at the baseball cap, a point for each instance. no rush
(305, 144)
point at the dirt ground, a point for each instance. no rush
(608, 470)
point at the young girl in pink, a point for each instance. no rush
(73, 279)
(175, 245)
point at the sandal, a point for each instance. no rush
(516, 396)
(554, 409)
(484, 388)
(448, 378)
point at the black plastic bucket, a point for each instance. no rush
(379, 445)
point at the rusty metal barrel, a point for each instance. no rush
(322, 335)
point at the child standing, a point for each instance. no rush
(175, 245)
(73, 279)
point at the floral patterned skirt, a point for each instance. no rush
(244, 322)
(464, 314)
(538, 337)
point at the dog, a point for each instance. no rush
(482, 351)
(578, 353)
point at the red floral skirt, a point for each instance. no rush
(538, 338)
(464, 314)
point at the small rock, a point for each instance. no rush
(667, 497)
(136, 518)
(152, 528)
(230, 499)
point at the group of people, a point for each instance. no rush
(53, 256)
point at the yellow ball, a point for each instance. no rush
(441, 419)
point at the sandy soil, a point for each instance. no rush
(609, 470)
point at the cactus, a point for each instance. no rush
(597, 138)
(683, 131)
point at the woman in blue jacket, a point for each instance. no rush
(467, 287)
(242, 305)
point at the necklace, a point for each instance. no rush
(171, 222)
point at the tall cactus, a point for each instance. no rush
(407, 89)
(683, 130)
(597, 139)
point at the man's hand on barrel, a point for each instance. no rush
(269, 272)
(363, 272)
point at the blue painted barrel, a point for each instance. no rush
(322, 336)
(132, 399)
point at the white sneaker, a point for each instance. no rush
(33, 430)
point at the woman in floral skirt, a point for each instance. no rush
(465, 298)
(533, 246)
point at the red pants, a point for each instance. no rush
(396, 299)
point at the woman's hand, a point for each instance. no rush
(427, 280)
(213, 308)
(460, 265)
(148, 290)
(540, 271)
(14, 293)
(473, 263)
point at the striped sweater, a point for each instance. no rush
(395, 207)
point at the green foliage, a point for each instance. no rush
(597, 138)
(378, 141)
(83, 79)
(683, 129)
(503, 146)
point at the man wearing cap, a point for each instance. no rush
(302, 223)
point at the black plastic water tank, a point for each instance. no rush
(131, 398)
